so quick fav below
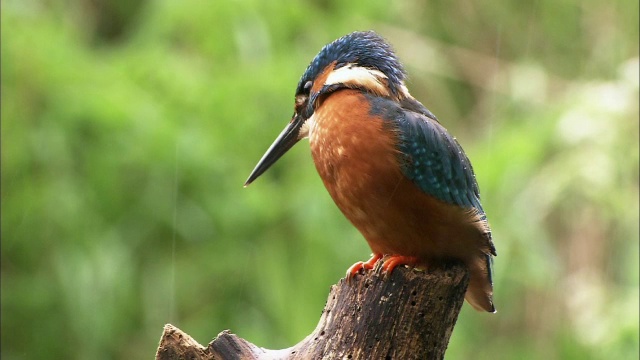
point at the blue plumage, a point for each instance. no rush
(435, 161)
(431, 157)
(366, 48)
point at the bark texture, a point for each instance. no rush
(408, 315)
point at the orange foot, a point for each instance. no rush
(392, 261)
(355, 268)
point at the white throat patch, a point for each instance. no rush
(307, 128)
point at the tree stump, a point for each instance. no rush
(407, 315)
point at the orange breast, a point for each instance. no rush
(357, 158)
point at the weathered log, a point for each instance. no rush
(408, 315)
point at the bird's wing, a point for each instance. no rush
(435, 162)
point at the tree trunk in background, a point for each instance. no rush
(410, 315)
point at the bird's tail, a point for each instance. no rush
(480, 291)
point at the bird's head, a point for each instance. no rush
(360, 60)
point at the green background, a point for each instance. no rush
(129, 127)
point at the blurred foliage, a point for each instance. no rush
(129, 127)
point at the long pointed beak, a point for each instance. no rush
(285, 141)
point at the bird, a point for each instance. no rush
(390, 166)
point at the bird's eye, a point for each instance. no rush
(307, 86)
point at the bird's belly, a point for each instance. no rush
(358, 161)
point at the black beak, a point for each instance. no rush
(285, 141)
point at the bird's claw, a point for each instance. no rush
(393, 261)
(387, 264)
(362, 265)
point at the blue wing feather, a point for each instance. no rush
(431, 157)
(435, 161)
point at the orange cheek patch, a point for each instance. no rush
(318, 83)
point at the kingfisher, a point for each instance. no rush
(392, 169)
